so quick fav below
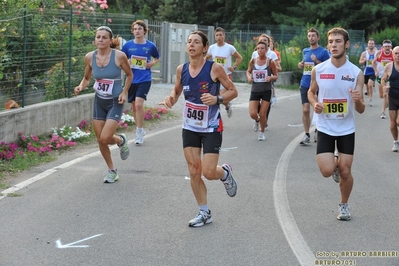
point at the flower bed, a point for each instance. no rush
(30, 150)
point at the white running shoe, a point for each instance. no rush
(274, 100)
(395, 147)
(124, 148)
(305, 140)
(229, 110)
(383, 116)
(261, 136)
(230, 183)
(335, 175)
(140, 136)
(256, 126)
(111, 177)
(343, 212)
(201, 219)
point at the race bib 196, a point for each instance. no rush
(195, 115)
(104, 86)
(335, 108)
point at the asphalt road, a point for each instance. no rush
(284, 212)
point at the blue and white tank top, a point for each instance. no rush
(197, 116)
(368, 65)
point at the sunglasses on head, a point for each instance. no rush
(105, 28)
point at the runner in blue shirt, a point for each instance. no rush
(313, 55)
(142, 54)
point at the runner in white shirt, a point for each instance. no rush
(222, 53)
(335, 93)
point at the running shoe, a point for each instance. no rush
(111, 177)
(395, 147)
(305, 140)
(202, 218)
(256, 126)
(370, 102)
(124, 148)
(230, 183)
(335, 175)
(261, 136)
(140, 136)
(383, 116)
(343, 212)
(274, 100)
(229, 110)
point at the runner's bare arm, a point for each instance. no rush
(176, 92)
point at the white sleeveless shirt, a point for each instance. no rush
(338, 116)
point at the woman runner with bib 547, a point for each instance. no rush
(105, 65)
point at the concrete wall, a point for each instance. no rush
(38, 119)
(284, 78)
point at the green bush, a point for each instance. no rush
(388, 33)
(245, 50)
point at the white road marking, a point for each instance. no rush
(295, 125)
(284, 215)
(58, 243)
(228, 149)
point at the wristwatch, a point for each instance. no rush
(234, 67)
(220, 99)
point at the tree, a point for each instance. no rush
(167, 12)
(370, 15)
(144, 8)
(219, 11)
